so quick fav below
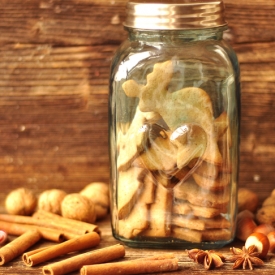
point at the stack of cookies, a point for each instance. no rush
(174, 170)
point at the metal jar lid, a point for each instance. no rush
(174, 14)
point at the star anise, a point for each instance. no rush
(209, 258)
(245, 257)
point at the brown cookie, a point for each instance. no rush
(212, 235)
(196, 195)
(207, 170)
(193, 222)
(129, 188)
(147, 195)
(132, 138)
(160, 213)
(135, 222)
(196, 236)
(185, 208)
(217, 184)
(189, 105)
(163, 179)
(191, 141)
(182, 208)
(160, 155)
(186, 234)
(207, 212)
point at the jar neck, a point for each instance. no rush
(166, 36)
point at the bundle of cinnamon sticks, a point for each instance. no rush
(51, 226)
(71, 236)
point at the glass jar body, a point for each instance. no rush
(174, 113)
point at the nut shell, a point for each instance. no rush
(266, 215)
(21, 201)
(271, 238)
(50, 200)
(261, 241)
(269, 201)
(247, 200)
(78, 207)
(98, 193)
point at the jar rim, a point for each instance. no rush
(175, 14)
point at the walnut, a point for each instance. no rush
(78, 207)
(247, 200)
(50, 200)
(269, 201)
(266, 215)
(21, 201)
(98, 193)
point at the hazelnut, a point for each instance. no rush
(247, 200)
(271, 238)
(78, 207)
(245, 227)
(261, 241)
(264, 228)
(21, 201)
(50, 200)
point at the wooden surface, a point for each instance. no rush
(54, 66)
(187, 266)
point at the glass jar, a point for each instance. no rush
(174, 113)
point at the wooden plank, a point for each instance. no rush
(187, 266)
(55, 61)
(62, 22)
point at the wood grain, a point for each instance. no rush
(54, 66)
(187, 266)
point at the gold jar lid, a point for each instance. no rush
(174, 14)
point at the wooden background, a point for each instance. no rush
(54, 65)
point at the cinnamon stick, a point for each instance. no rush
(86, 241)
(75, 263)
(16, 247)
(34, 251)
(18, 229)
(131, 267)
(54, 220)
(69, 228)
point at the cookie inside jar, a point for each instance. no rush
(174, 175)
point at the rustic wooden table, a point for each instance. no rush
(186, 265)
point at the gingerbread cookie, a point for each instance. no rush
(131, 141)
(186, 234)
(212, 235)
(147, 195)
(188, 105)
(160, 155)
(212, 184)
(185, 208)
(192, 222)
(207, 170)
(196, 236)
(160, 214)
(130, 185)
(135, 222)
(191, 192)
(191, 142)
